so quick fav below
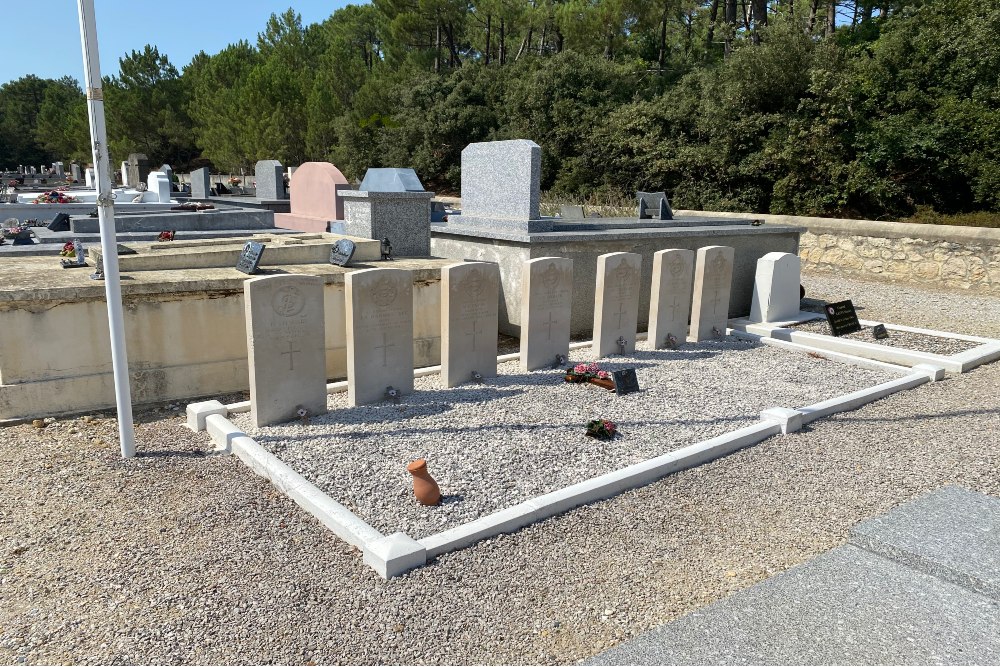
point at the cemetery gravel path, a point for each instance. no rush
(174, 557)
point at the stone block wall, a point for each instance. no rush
(952, 256)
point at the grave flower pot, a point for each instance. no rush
(425, 488)
(575, 377)
(606, 383)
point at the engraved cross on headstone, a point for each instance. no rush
(385, 348)
(474, 331)
(674, 304)
(291, 356)
(621, 313)
(549, 324)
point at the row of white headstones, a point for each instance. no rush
(286, 337)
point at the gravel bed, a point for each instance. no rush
(907, 340)
(521, 435)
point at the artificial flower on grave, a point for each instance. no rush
(584, 372)
(68, 250)
(165, 236)
(234, 180)
(602, 429)
(54, 197)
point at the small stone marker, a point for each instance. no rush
(379, 334)
(842, 318)
(250, 257)
(776, 288)
(470, 294)
(670, 298)
(286, 343)
(713, 277)
(616, 303)
(342, 252)
(200, 186)
(626, 381)
(546, 305)
(880, 332)
(270, 178)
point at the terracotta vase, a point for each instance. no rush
(424, 487)
(606, 383)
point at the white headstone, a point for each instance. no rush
(159, 184)
(713, 278)
(776, 288)
(546, 306)
(470, 294)
(379, 334)
(286, 344)
(670, 297)
(616, 302)
(125, 174)
(88, 177)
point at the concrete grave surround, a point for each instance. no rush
(200, 186)
(315, 198)
(402, 217)
(270, 178)
(391, 179)
(713, 278)
(286, 346)
(500, 184)
(379, 334)
(776, 288)
(158, 184)
(469, 297)
(670, 296)
(546, 300)
(616, 305)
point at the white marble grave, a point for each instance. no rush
(125, 174)
(713, 279)
(286, 347)
(470, 295)
(616, 302)
(379, 334)
(776, 288)
(159, 184)
(546, 306)
(670, 296)
(88, 177)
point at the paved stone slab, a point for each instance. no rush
(616, 302)
(546, 306)
(470, 294)
(670, 296)
(286, 346)
(847, 606)
(951, 533)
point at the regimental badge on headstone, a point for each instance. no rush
(842, 317)
(880, 332)
(626, 381)
(250, 257)
(342, 252)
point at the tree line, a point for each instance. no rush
(816, 107)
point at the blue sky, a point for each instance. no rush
(43, 37)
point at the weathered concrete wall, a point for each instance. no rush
(953, 256)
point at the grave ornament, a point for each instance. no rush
(626, 381)
(842, 318)
(342, 252)
(880, 332)
(249, 259)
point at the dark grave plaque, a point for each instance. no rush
(626, 381)
(342, 252)
(250, 257)
(880, 332)
(842, 318)
(60, 223)
(125, 250)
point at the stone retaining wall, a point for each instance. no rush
(966, 257)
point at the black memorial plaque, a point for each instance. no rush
(842, 318)
(60, 223)
(250, 257)
(342, 252)
(880, 332)
(626, 381)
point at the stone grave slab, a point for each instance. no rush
(470, 294)
(379, 334)
(200, 185)
(286, 347)
(138, 168)
(670, 296)
(159, 184)
(315, 198)
(402, 217)
(546, 304)
(776, 288)
(270, 178)
(500, 186)
(713, 278)
(616, 302)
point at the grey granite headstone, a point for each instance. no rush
(138, 168)
(402, 217)
(74, 171)
(391, 179)
(270, 177)
(200, 186)
(500, 184)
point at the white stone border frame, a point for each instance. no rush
(393, 555)
(988, 349)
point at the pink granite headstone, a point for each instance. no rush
(315, 198)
